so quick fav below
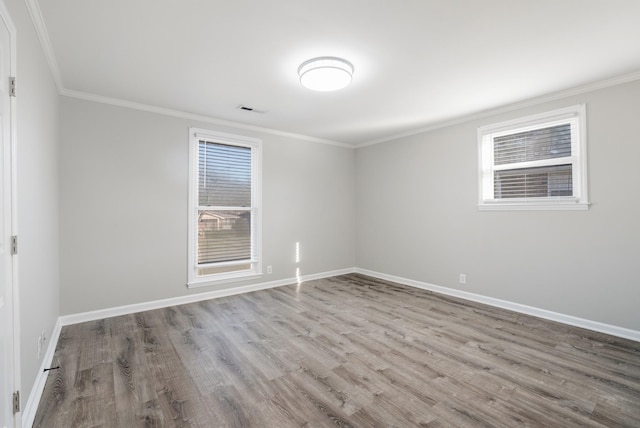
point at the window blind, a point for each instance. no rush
(538, 144)
(534, 146)
(224, 198)
(224, 175)
(534, 182)
(536, 162)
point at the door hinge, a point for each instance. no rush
(12, 86)
(14, 245)
(16, 402)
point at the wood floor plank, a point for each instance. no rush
(95, 403)
(135, 394)
(346, 351)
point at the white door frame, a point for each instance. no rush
(15, 303)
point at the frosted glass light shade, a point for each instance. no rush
(325, 74)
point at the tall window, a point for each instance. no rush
(224, 218)
(536, 162)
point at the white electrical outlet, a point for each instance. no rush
(39, 346)
(269, 269)
(463, 278)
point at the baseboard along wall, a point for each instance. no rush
(31, 406)
(516, 307)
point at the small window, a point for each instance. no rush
(537, 162)
(224, 213)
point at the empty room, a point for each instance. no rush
(290, 213)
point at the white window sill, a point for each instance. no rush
(534, 206)
(207, 282)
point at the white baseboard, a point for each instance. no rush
(181, 300)
(516, 307)
(31, 406)
(29, 412)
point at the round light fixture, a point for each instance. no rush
(325, 73)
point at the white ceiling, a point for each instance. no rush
(417, 62)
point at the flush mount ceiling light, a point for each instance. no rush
(325, 73)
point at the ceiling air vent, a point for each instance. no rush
(251, 109)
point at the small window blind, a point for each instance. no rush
(538, 144)
(511, 151)
(533, 182)
(535, 162)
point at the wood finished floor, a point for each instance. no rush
(344, 351)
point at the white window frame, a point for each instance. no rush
(255, 271)
(576, 115)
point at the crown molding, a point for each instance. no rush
(41, 29)
(601, 84)
(196, 117)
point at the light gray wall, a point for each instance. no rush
(418, 219)
(123, 206)
(37, 176)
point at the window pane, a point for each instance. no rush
(223, 236)
(538, 144)
(224, 175)
(534, 182)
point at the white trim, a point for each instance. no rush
(576, 116)
(516, 307)
(491, 301)
(255, 270)
(534, 206)
(14, 300)
(45, 42)
(578, 90)
(208, 134)
(43, 35)
(602, 84)
(181, 300)
(530, 122)
(226, 278)
(31, 406)
(195, 117)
